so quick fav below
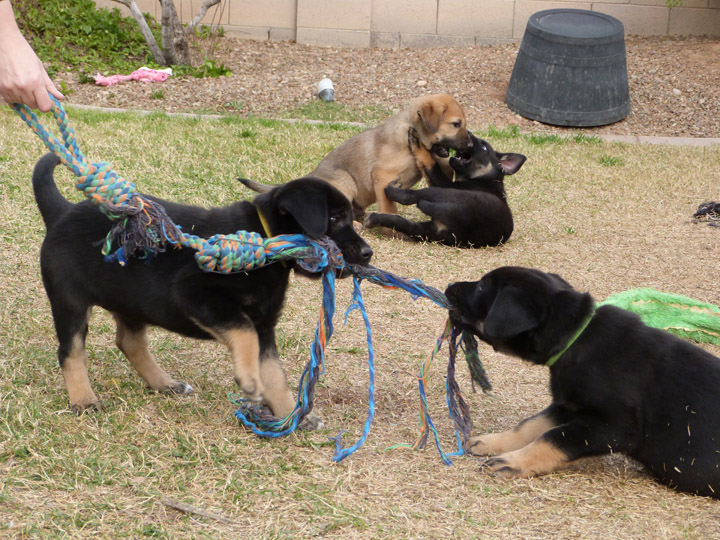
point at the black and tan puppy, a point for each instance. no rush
(617, 385)
(471, 211)
(239, 310)
(362, 166)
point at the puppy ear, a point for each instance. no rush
(510, 314)
(511, 163)
(310, 211)
(431, 114)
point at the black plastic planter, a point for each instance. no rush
(571, 69)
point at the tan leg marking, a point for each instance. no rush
(539, 457)
(77, 382)
(244, 348)
(278, 395)
(523, 434)
(134, 345)
(277, 392)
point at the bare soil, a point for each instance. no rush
(674, 83)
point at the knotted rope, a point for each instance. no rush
(142, 229)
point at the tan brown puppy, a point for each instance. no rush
(362, 166)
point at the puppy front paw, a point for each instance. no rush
(252, 387)
(478, 447)
(539, 457)
(370, 220)
(86, 408)
(500, 467)
(179, 388)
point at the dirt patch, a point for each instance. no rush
(674, 83)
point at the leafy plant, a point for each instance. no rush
(75, 34)
(208, 69)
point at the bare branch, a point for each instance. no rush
(145, 30)
(207, 4)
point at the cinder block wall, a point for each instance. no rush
(427, 23)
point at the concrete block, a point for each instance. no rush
(325, 37)
(640, 20)
(283, 34)
(334, 14)
(255, 33)
(479, 18)
(406, 17)
(420, 41)
(694, 22)
(685, 3)
(269, 13)
(525, 8)
(385, 40)
(598, 6)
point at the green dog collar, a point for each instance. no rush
(555, 357)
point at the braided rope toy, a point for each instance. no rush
(142, 229)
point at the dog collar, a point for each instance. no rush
(555, 357)
(264, 223)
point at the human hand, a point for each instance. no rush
(23, 78)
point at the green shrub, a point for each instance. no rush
(75, 34)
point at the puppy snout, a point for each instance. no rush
(366, 254)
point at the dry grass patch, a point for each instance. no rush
(607, 217)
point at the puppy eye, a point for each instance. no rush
(457, 124)
(334, 219)
(484, 148)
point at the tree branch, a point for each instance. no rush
(207, 4)
(145, 30)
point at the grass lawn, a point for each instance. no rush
(607, 217)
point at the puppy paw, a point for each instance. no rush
(86, 408)
(311, 423)
(252, 387)
(500, 467)
(179, 388)
(370, 220)
(478, 447)
(539, 457)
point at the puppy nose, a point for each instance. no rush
(366, 254)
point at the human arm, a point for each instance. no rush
(23, 78)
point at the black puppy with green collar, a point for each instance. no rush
(617, 385)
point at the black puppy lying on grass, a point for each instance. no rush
(472, 211)
(238, 310)
(617, 385)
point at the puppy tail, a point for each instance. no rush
(255, 186)
(47, 196)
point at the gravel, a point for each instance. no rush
(674, 83)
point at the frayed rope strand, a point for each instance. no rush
(340, 451)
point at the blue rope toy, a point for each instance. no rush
(143, 229)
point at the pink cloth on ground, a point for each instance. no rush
(143, 74)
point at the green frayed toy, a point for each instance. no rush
(681, 315)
